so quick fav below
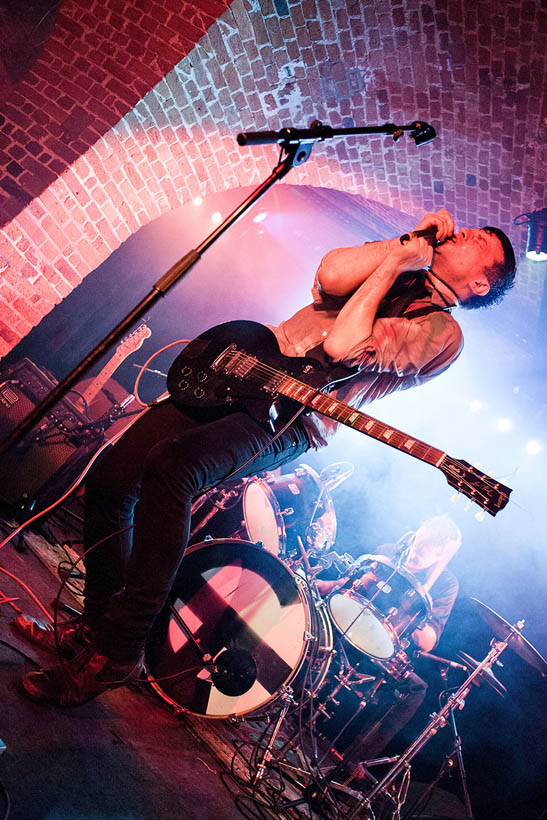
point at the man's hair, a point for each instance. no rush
(441, 530)
(501, 275)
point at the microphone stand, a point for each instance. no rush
(296, 146)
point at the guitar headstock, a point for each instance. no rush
(488, 493)
(133, 341)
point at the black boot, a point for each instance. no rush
(67, 639)
(83, 678)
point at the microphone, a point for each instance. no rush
(428, 233)
(403, 546)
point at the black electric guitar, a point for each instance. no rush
(238, 366)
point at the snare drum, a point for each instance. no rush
(242, 628)
(381, 605)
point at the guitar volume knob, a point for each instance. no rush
(185, 370)
(199, 392)
(183, 385)
(202, 376)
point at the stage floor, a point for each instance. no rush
(125, 755)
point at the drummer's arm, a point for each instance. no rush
(326, 587)
(425, 638)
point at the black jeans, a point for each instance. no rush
(151, 477)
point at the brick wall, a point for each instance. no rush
(112, 163)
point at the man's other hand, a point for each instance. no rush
(443, 221)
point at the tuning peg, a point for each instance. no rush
(468, 506)
(480, 515)
(455, 498)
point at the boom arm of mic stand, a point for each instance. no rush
(421, 132)
(297, 144)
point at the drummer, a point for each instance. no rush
(425, 554)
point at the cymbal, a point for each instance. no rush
(486, 674)
(517, 642)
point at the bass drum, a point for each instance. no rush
(247, 509)
(241, 627)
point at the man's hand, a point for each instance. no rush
(413, 255)
(443, 221)
(425, 638)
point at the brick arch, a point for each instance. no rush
(264, 65)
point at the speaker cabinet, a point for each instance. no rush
(35, 464)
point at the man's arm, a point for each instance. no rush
(355, 320)
(444, 591)
(343, 270)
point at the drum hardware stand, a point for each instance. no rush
(455, 755)
(227, 495)
(438, 721)
(288, 700)
(323, 779)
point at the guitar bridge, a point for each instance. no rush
(225, 361)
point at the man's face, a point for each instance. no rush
(425, 552)
(468, 253)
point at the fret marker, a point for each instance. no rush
(369, 424)
(409, 443)
(388, 434)
(353, 417)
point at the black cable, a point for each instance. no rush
(4, 792)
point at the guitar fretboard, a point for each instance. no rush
(343, 413)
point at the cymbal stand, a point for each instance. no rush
(455, 755)
(438, 721)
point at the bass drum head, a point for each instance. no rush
(249, 617)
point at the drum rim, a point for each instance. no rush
(276, 508)
(306, 641)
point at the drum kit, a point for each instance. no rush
(249, 638)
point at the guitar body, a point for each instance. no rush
(204, 394)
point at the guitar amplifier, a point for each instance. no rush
(32, 464)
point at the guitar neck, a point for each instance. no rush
(101, 378)
(343, 413)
